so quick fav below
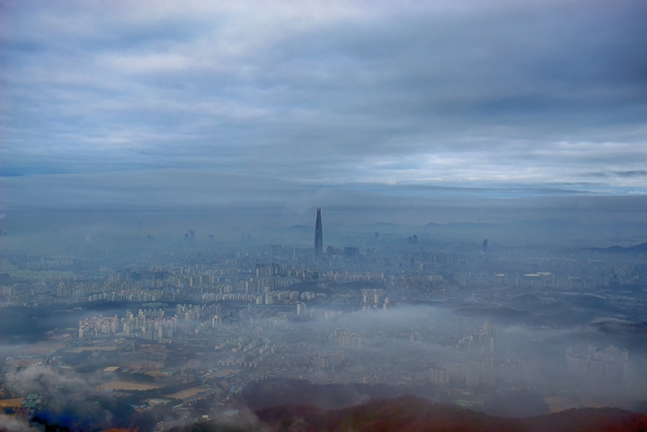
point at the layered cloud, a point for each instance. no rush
(312, 95)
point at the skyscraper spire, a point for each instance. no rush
(318, 236)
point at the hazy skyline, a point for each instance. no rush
(478, 170)
(293, 105)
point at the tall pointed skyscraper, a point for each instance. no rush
(318, 236)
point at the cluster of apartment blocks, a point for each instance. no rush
(327, 361)
(283, 296)
(527, 280)
(133, 296)
(110, 291)
(316, 314)
(352, 276)
(410, 278)
(486, 371)
(564, 274)
(268, 298)
(145, 285)
(148, 324)
(575, 275)
(44, 264)
(209, 284)
(158, 329)
(612, 363)
(348, 340)
(481, 342)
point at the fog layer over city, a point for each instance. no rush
(108, 326)
(244, 215)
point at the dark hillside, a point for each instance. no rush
(412, 414)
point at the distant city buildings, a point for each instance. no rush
(224, 315)
(351, 341)
(610, 364)
(351, 251)
(327, 361)
(480, 342)
(472, 372)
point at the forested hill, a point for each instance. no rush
(411, 414)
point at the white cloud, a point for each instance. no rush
(327, 93)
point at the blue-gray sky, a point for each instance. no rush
(298, 103)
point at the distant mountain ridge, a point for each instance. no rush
(639, 248)
(614, 326)
(300, 228)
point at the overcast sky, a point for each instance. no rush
(299, 103)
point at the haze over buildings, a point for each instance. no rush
(481, 166)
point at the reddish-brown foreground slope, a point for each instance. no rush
(411, 414)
